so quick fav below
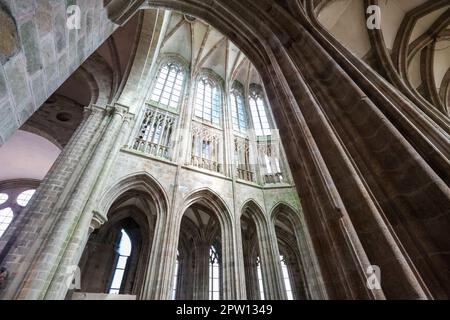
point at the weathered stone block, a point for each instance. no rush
(9, 37)
(60, 32)
(44, 17)
(8, 123)
(25, 7)
(26, 112)
(17, 79)
(30, 45)
(39, 93)
(3, 89)
(49, 57)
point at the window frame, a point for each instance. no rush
(179, 94)
(117, 260)
(214, 110)
(237, 110)
(214, 270)
(259, 112)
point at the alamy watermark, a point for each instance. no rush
(374, 17)
(373, 277)
(73, 17)
(73, 278)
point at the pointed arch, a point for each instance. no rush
(282, 206)
(254, 208)
(141, 181)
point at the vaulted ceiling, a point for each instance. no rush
(415, 34)
(204, 47)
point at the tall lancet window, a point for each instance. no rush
(214, 274)
(287, 280)
(123, 253)
(259, 113)
(175, 277)
(207, 101)
(169, 86)
(238, 113)
(260, 279)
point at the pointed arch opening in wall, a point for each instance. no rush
(254, 284)
(204, 245)
(116, 255)
(238, 110)
(136, 205)
(286, 223)
(169, 85)
(161, 112)
(208, 105)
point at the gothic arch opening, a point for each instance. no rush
(116, 255)
(203, 239)
(286, 222)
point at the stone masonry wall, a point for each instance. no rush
(38, 52)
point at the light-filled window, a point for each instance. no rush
(259, 114)
(286, 278)
(24, 197)
(123, 251)
(175, 277)
(214, 274)
(6, 217)
(238, 113)
(169, 86)
(207, 101)
(260, 279)
(3, 198)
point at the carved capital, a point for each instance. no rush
(97, 221)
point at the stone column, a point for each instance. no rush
(201, 272)
(251, 277)
(40, 277)
(159, 274)
(232, 264)
(270, 262)
(106, 154)
(22, 243)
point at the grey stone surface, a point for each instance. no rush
(16, 74)
(30, 45)
(44, 43)
(9, 37)
(3, 88)
(7, 120)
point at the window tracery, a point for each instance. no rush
(214, 274)
(258, 111)
(205, 149)
(155, 134)
(168, 89)
(207, 101)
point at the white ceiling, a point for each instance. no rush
(26, 156)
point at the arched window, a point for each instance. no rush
(207, 101)
(24, 197)
(214, 274)
(11, 205)
(259, 114)
(175, 277)
(123, 251)
(286, 278)
(6, 217)
(260, 280)
(238, 113)
(3, 198)
(169, 86)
